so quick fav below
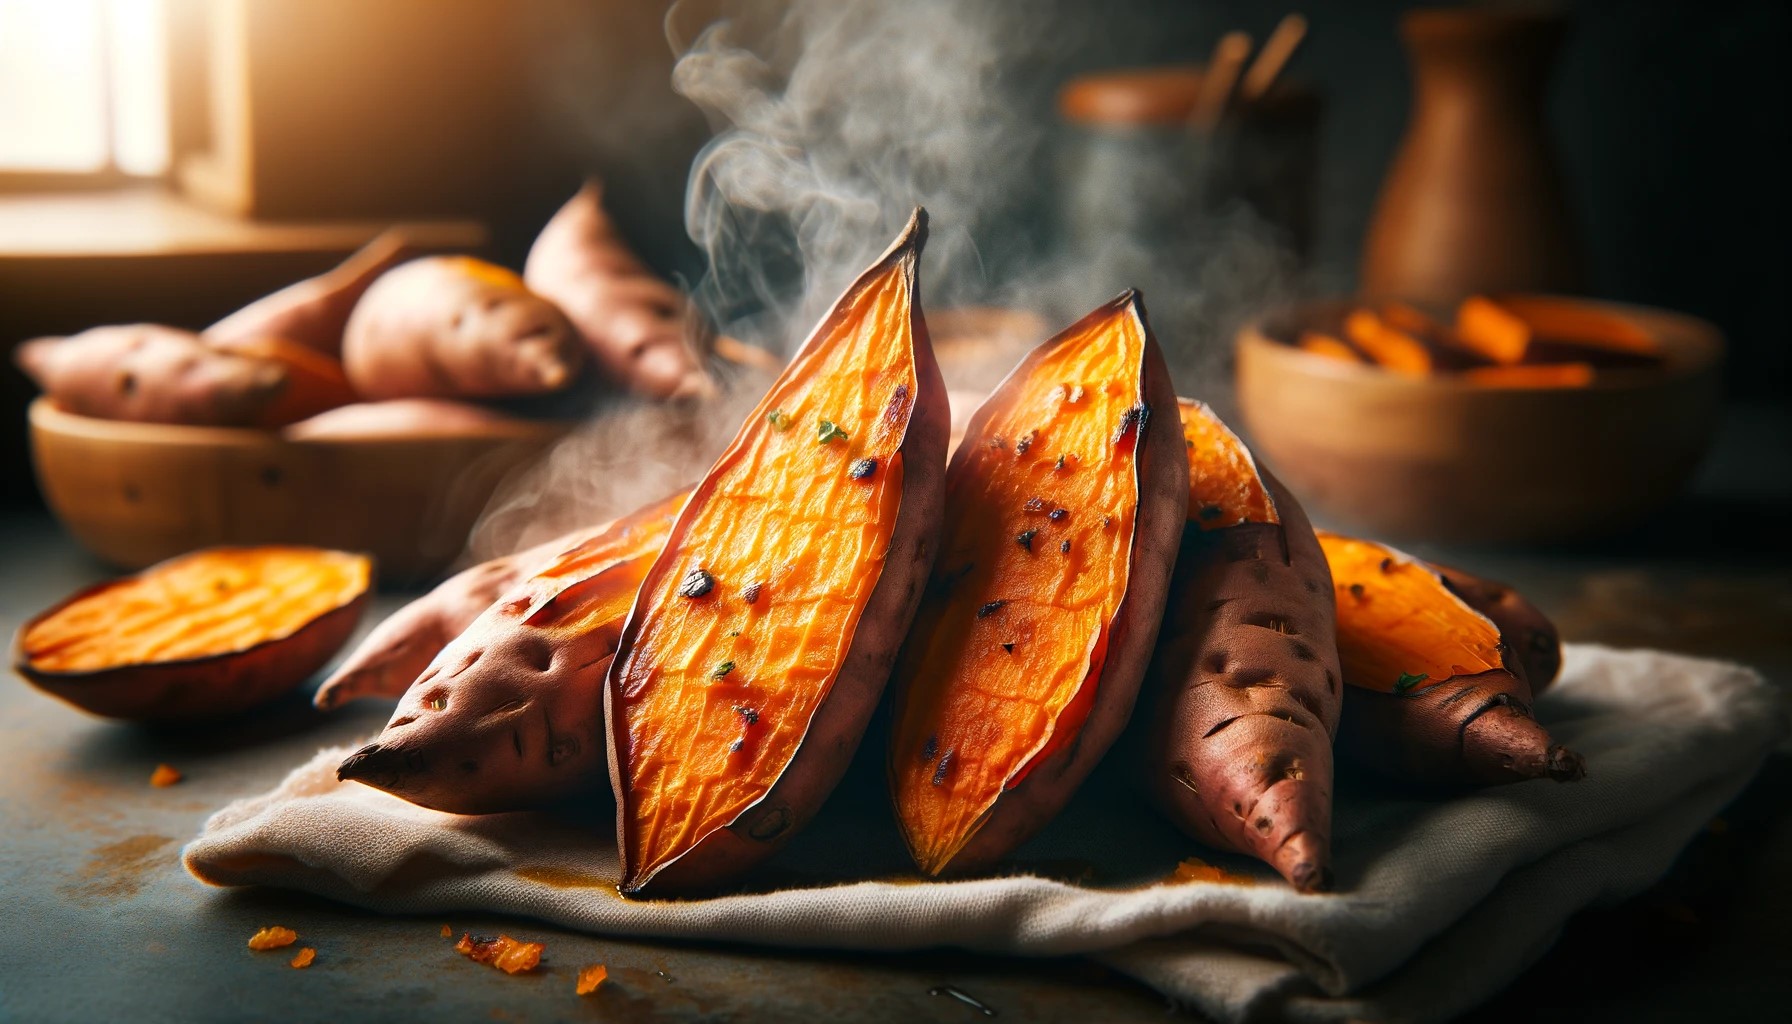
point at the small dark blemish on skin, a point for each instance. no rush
(1387, 565)
(1357, 591)
(930, 748)
(998, 442)
(270, 476)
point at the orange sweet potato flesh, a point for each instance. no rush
(1063, 506)
(210, 633)
(1245, 683)
(1322, 344)
(508, 714)
(1437, 696)
(1490, 329)
(632, 322)
(763, 636)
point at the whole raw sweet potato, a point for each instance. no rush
(314, 312)
(633, 323)
(508, 714)
(1436, 695)
(206, 634)
(1245, 681)
(457, 327)
(150, 374)
(1064, 502)
(763, 635)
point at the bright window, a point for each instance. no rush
(83, 86)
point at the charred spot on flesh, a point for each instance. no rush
(747, 714)
(1060, 465)
(696, 583)
(1025, 538)
(1009, 647)
(1387, 565)
(998, 442)
(940, 770)
(898, 406)
(1034, 505)
(1064, 547)
(1132, 422)
(1211, 512)
(862, 468)
(990, 609)
(1026, 442)
(1357, 591)
(1058, 514)
(930, 748)
(750, 593)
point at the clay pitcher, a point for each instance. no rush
(1473, 201)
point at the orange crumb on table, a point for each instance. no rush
(164, 775)
(1194, 869)
(1546, 375)
(590, 977)
(504, 953)
(447, 932)
(273, 938)
(1322, 344)
(303, 960)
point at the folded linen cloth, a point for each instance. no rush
(1439, 903)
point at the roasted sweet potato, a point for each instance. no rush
(1387, 346)
(1436, 696)
(508, 714)
(401, 417)
(1322, 344)
(633, 323)
(457, 327)
(1245, 684)
(314, 312)
(150, 374)
(1541, 330)
(210, 633)
(1064, 502)
(764, 634)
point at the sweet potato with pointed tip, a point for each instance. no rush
(457, 327)
(765, 632)
(1436, 696)
(313, 312)
(145, 373)
(1245, 683)
(632, 322)
(509, 714)
(210, 633)
(1063, 505)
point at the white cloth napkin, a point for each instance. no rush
(1439, 903)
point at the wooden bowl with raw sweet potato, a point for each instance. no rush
(1519, 419)
(403, 482)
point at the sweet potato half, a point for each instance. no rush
(1064, 502)
(1438, 696)
(457, 327)
(507, 714)
(1245, 683)
(210, 633)
(764, 634)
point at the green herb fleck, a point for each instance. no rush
(721, 669)
(827, 433)
(1407, 681)
(778, 419)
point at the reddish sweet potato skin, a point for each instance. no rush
(1162, 471)
(455, 327)
(1250, 639)
(196, 688)
(837, 726)
(313, 312)
(1524, 628)
(632, 322)
(145, 373)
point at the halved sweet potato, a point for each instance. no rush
(508, 714)
(764, 634)
(457, 327)
(313, 312)
(1245, 682)
(1064, 503)
(1437, 696)
(209, 633)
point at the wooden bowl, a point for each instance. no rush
(1436, 458)
(137, 493)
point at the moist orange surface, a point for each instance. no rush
(1224, 488)
(1399, 626)
(743, 623)
(1002, 661)
(1490, 329)
(1581, 324)
(216, 601)
(1390, 348)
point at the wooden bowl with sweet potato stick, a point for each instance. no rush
(137, 493)
(1444, 457)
